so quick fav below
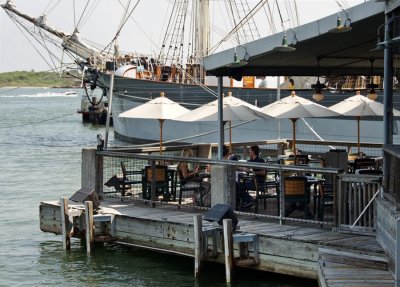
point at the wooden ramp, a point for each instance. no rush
(347, 269)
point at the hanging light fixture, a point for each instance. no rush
(372, 95)
(340, 28)
(318, 96)
(385, 41)
(239, 63)
(284, 47)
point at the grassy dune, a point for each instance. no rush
(38, 79)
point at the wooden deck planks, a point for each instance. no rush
(343, 275)
(300, 233)
(283, 247)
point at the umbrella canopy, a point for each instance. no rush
(360, 106)
(233, 109)
(160, 108)
(294, 107)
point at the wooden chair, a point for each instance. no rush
(185, 186)
(161, 182)
(265, 189)
(300, 159)
(295, 188)
(323, 198)
(129, 178)
(364, 163)
(370, 171)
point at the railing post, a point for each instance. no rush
(282, 206)
(337, 202)
(99, 167)
(153, 181)
(92, 171)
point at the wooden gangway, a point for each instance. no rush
(296, 248)
(341, 269)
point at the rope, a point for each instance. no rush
(121, 26)
(38, 122)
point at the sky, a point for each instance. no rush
(19, 52)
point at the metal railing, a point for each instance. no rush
(351, 192)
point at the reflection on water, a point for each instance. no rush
(41, 138)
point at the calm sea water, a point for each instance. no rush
(41, 137)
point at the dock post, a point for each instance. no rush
(65, 224)
(89, 225)
(198, 243)
(228, 246)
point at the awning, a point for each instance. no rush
(347, 53)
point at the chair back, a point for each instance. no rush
(364, 163)
(287, 161)
(295, 185)
(179, 172)
(123, 167)
(161, 173)
(370, 171)
(260, 182)
(301, 159)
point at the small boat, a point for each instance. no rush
(70, 93)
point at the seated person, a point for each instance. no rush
(242, 187)
(189, 178)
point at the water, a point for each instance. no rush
(41, 137)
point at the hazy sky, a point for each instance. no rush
(18, 53)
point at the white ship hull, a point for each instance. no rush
(147, 130)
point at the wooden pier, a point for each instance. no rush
(297, 248)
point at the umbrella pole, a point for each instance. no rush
(230, 136)
(358, 134)
(161, 127)
(294, 137)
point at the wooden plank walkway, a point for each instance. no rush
(291, 249)
(344, 269)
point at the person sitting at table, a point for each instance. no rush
(225, 152)
(242, 187)
(189, 178)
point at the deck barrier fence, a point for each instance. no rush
(352, 192)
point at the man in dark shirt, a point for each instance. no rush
(259, 173)
(255, 157)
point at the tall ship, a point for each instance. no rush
(176, 70)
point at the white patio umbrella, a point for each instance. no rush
(360, 106)
(233, 109)
(294, 107)
(160, 108)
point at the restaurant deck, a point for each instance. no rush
(296, 248)
(353, 244)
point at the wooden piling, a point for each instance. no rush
(228, 246)
(198, 243)
(65, 224)
(89, 226)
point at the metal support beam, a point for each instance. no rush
(220, 116)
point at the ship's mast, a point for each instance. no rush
(203, 21)
(202, 32)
